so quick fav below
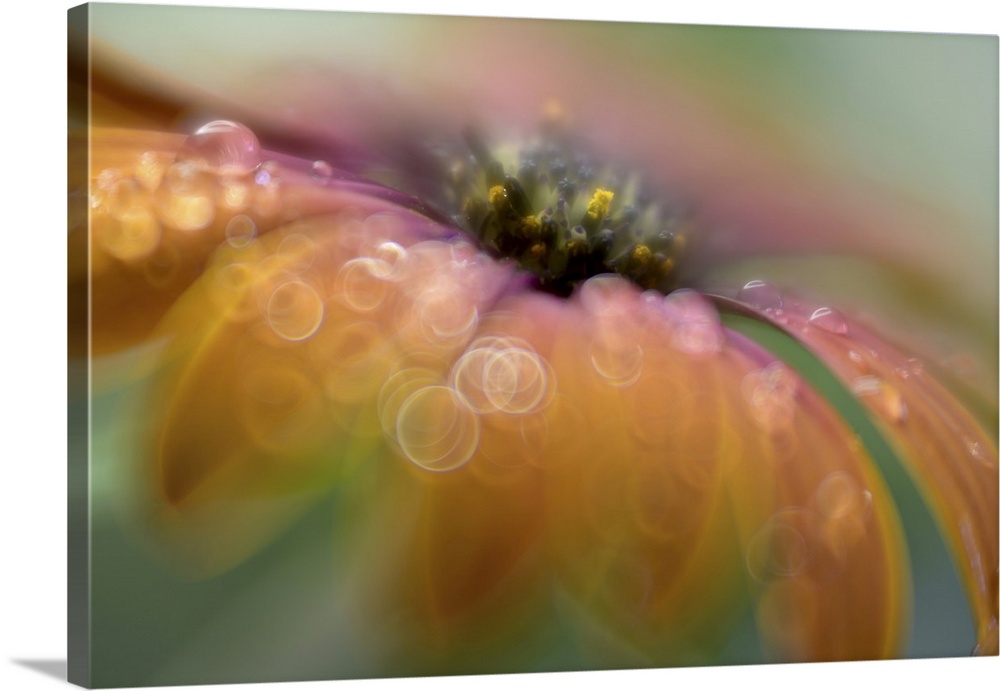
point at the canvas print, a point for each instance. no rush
(433, 345)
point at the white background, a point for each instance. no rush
(33, 315)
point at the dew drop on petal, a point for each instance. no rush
(186, 198)
(149, 170)
(436, 429)
(294, 311)
(223, 147)
(838, 495)
(125, 196)
(616, 359)
(134, 236)
(266, 199)
(911, 368)
(267, 175)
(515, 380)
(779, 549)
(884, 396)
(380, 226)
(240, 231)
(321, 171)
(770, 393)
(605, 295)
(760, 295)
(396, 390)
(445, 313)
(467, 378)
(394, 256)
(188, 213)
(977, 452)
(235, 194)
(696, 325)
(829, 319)
(503, 374)
(360, 283)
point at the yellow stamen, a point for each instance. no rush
(641, 255)
(531, 227)
(497, 197)
(599, 204)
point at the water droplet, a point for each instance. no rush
(436, 429)
(696, 326)
(829, 319)
(838, 495)
(761, 296)
(394, 257)
(605, 295)
(240, 231)
(779, 549)
(882, 395)
(267, 174)
(467, 377)
(396, 389)
(771, 395)
(976, 451)
(223, 147)
(266, 197)
(618, 360)
(149, 170)
(971, 543)
(294, 311)
(911, 368)
(235, 194)
(128, 202)
(134, 236)
(321, 171)
(125, 196)
(445, 312)
(515, 380)
(185, 198)
(360, 283)
(104, 186)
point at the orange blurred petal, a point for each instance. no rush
(953, 460)
(662, 470)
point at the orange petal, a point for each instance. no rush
(944, 448)
(692, 483)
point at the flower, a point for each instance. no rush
(588, 438)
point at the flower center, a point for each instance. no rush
(562, 216)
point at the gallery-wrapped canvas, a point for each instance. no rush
(433, 345)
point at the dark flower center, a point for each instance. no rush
(563, 216)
